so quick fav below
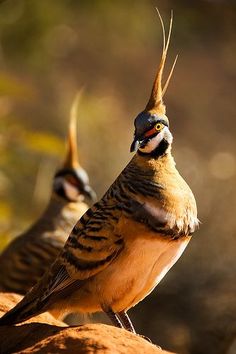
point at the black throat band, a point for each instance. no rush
(159, 151)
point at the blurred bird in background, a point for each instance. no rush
(125, 244)
(27, 257)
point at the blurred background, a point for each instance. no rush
(49, 50)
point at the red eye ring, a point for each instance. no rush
(71, 180)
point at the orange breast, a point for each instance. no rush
(137, 270)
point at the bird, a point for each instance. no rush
(27, 257)
(124, 245)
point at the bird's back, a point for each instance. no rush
(27, 257)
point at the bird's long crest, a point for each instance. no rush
(155, 103)
(72, 158)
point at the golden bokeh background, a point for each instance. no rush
(49, 50)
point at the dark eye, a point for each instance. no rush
(159, 126)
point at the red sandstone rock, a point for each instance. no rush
(54, 337)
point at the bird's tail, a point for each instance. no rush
(31, 305)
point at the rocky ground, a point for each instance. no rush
(44, 334)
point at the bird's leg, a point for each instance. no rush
(124, 318)
(114, 318)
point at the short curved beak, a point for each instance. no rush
(137, 142)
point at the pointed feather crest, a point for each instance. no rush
(155, 104)
(71, 160)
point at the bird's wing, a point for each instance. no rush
(92, 245)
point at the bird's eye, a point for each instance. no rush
(158, 126)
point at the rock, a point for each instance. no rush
(44, 334)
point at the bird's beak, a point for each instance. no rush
(89, 192)
(137, 142)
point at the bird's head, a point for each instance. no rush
(152, 135)
(71, 181)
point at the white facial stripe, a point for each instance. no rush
(154, 142)
(70, 190)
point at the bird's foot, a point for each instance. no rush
(145, 337)
(149, 340)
